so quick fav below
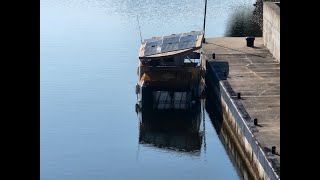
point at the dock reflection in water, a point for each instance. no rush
(172, 130)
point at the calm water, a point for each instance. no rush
(89, 127)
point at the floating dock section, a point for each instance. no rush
(243, 87)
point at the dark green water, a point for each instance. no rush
(89, 57)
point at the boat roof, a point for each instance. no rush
(171, 45)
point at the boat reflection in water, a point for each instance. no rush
(172, 130)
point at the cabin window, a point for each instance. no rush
(155, 62)
(168, 60)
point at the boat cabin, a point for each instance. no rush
(169, 70)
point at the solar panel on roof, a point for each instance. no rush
(194, 32)
(183, 45)
(188, 38)
(154, 43)
(169, 43)
(171, 40)
(169, 47)
(151, 50)
(152, 39)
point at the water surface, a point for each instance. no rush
(89, 55)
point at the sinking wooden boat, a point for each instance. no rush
(170, 72)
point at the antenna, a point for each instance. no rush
(139, 28)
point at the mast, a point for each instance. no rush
(204, 21)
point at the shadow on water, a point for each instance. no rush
(242, 24)
(213, 106)
(174, 130)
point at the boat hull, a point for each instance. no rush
(166, 98)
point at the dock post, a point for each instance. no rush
(273, 149)
(239, 95)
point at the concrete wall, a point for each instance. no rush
(271, 28)
(236, 130)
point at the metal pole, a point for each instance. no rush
(204, 20)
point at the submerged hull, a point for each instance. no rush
(166, 98)
(171, 130)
